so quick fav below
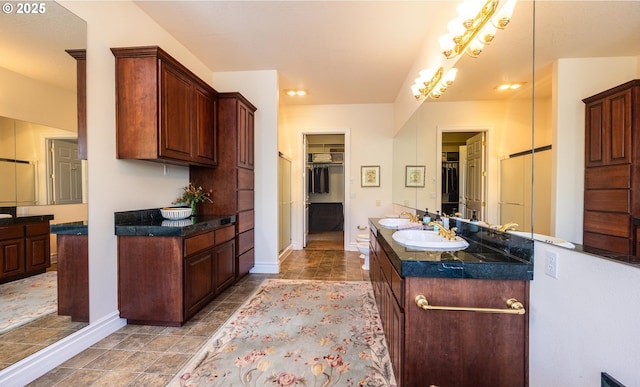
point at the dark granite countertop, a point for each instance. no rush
(151, 223)
(70, 228)
(490, 255)
(25, 219)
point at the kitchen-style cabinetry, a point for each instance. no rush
(165, 280)
(612, 168)
(24, 250)
(233, 180)
(450, 348)
(163, 111)
(80, 56)
(73, 276)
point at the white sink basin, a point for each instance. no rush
(428, 240)
(544, 238)
(393, 222)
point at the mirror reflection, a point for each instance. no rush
(535, 136)
(39, 165)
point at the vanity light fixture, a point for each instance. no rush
(296, 93)
(432, 83)
(475, 27)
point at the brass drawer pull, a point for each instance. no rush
(513, 307)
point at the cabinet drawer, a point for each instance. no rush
(609, 200)
(245, 241)
(607, 242)
(198, 243)
(37, 228)
(607, 223)
(245, 221)
(245, 178)
(607, 177)
(11, 232)
(245, 200)
(224, 234)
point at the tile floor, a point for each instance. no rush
(139, 355)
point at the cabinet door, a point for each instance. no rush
(38, 256)
(205, 145)
(225, 257)
(608, 130)
(198, 281)
(175, 112)
(12, 257)
(245, 136)
(460, 348)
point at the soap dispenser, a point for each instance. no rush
(426, 219)
(474, 217)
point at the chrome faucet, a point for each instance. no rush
(508, 226)
(450, 234)
(412, 218)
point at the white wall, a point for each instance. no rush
(574, 80)
(369, 136)
(584, 322)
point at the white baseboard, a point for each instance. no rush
(266, 268)
(38, 364)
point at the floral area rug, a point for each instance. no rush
(28, 299)
(297, 333)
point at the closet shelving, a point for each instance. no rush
(317, 154)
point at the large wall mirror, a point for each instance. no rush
(533, 171)
(39, 165)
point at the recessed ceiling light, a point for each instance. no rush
(509, 86)
(296, 93)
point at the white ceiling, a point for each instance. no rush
(350, 51)
(362, 51)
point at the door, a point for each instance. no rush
(305, 177)
(476, 176)
(65, 172)
(462, 182)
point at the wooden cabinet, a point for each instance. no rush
(233, 180)
(163, 111)
(450, 348)
(24, 250)
(81, 88)
(73, 276)
(166, 280)
(612, 185)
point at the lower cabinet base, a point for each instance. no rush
(73, 277)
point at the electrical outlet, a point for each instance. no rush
(551, 264)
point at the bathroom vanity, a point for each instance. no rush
(73, 269)
(24, 246)
(169, 269)
(455, 318)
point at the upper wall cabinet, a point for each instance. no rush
(164, 112)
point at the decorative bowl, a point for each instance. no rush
(175, 213)
(177, 223)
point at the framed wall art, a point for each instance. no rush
(414, 176)
(370, 176)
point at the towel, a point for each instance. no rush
(410, 226)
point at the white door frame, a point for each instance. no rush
(489, 168)
(302, 183)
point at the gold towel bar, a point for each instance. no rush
(513, 307)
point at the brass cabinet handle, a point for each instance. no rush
(513, 307)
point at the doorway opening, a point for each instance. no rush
(324, 220)
(463, 180)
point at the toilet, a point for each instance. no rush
(364, 249)
(362, 241)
